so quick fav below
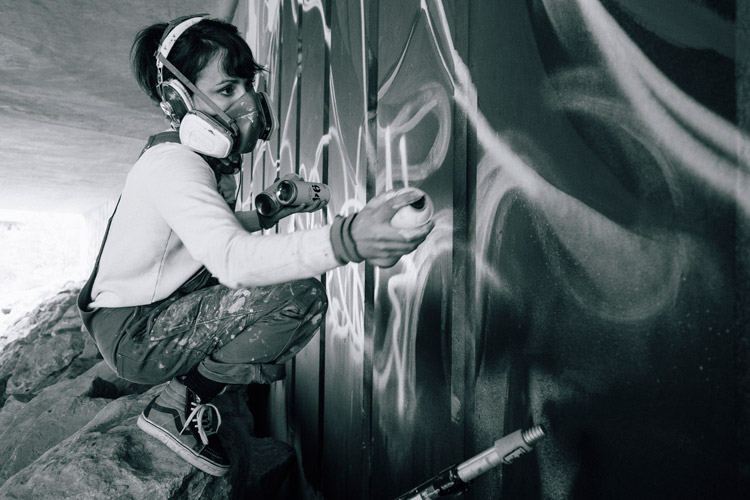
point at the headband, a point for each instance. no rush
(170, 37)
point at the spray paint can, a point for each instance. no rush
(408, 219)
(456, 479)
(266, 202)
(294, 192)
(290, 192)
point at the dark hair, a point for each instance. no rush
(191, 53)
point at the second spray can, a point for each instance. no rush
(290, 192)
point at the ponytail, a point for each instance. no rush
(143, 60)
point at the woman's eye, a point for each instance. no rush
(227, 91)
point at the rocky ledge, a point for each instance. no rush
(68, 425)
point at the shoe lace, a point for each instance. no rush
(202, 417)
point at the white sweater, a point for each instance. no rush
(171, 220)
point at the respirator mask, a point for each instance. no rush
(233, 131)
(253, 120)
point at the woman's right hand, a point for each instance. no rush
(377, 241)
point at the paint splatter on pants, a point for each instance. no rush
(233, 336)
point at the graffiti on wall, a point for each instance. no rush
(603, 186)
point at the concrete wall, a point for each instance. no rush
(588, 270)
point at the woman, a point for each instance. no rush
(182, 291)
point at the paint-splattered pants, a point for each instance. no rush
(233, 336)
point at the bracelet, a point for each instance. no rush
(349, 244)
(343, 245)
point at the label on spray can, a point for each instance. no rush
(294, 192)
(290, 192)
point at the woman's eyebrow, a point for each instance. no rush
(227, 80)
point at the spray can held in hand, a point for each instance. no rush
(290, 192)
(408, 218)
(416, 214)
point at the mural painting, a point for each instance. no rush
(586, 161)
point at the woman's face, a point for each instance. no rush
(221, 88)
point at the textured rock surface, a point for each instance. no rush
(47, 347)
(68, 426)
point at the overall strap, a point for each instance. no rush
(84, 296)
(161, 138)
(229, 165)
(198, 280)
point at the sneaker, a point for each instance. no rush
(188, 427)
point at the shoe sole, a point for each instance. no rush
(186, 454)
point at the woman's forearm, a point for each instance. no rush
(249, 220)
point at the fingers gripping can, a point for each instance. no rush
(409, 220)
(415, 214)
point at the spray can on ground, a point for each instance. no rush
(456, 478)
(290, 192)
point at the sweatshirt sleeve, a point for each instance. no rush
(183, 189)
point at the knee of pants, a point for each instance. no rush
(307, 303)
(311, 295)
(311, 299)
